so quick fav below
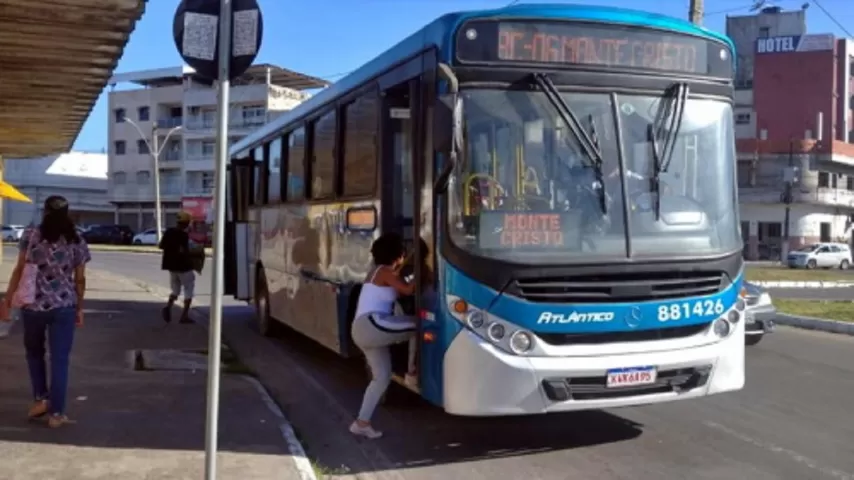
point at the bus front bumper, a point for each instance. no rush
(480, 380)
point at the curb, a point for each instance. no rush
(295, 448)
(793, 284)
(812, 323)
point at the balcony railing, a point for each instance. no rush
(206, 124)
(201, 191)
(169, 122)
(171, 156)
(837, 197)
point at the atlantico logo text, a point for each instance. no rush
(575, 317)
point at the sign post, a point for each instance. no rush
(220, 40)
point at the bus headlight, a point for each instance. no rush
(475, 319)
(739, 305)
(733, 316)
(495, 331)
(521, 342)
(503, 335)
(721, 327)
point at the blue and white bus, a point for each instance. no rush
(572, 172)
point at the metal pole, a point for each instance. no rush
(787, 199)
(155, 154)
(695, 12)
(215, 327)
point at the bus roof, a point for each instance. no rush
(440, 33)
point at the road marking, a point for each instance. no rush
(306, 471)
(791, 454)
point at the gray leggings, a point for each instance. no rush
(374, 334)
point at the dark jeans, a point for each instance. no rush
(58, 326)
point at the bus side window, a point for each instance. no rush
(274, 169)
(323, 157)
(296, 166)
(359, 169)
(259, 174)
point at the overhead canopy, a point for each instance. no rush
(55, 58)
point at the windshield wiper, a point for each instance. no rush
(589, 146)
(665, 129)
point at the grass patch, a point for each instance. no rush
(827, 309)
(786, 274)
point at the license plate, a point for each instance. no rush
(630, 377)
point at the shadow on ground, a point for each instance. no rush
(320, 392)
(119, 408)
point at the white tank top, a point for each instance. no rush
(376, 299)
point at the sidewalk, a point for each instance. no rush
(135, 424)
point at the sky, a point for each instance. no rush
(328, 38)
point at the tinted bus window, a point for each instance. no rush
(259, 174)
(360, 146)
(323, 157)
(296, 165)
(274, 167)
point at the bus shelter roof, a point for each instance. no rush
(55, 59)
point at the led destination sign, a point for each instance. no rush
(528, 231)
(602, 45)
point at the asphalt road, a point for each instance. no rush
(792, 421)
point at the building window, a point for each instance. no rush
(849, 183)
(142, 113)
(823, 180)
(254, 115)
(208, 148)
(296, 165)
(143, 178)
(208, 181)
(742, 118)
(119, 178)
(274, 172)
(119, 147)
(764, 32)
(119, 115)
(142, 147)
(323, 157)
(360, 146)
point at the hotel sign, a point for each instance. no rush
(794, 43)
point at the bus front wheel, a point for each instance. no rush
(266, 324)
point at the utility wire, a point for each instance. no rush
(832, 18)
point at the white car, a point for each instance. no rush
(148, 237)
(821, 255)
(12, 233)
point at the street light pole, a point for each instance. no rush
(155, 153)
(154, 149)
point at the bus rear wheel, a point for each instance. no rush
(266, 324)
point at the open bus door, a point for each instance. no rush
(237, 239)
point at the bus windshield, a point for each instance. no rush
(527, 192)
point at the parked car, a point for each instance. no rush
(148, 237)
(12, 233)
(759, 313)
(821, 255)
(109, 234)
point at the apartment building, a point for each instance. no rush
(793, 122)
(175, 110)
